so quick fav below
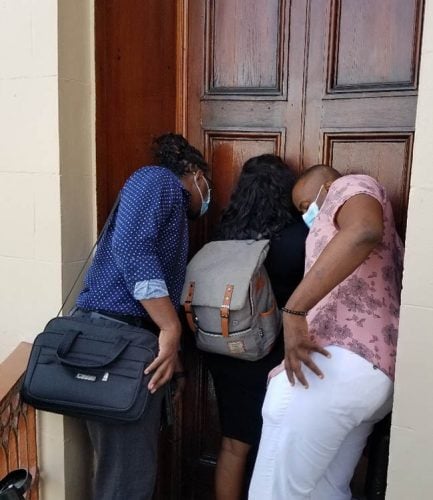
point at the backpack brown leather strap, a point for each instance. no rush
(225, 310)
(188, 306)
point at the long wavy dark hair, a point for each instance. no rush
(261, 204)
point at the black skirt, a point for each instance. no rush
(240, 388)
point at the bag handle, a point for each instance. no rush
(68, 341)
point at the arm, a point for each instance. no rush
(163, 313)
(145, 206)
(360, 223)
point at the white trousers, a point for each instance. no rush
(313, 438)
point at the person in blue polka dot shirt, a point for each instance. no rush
(136, 277)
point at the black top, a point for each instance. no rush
(285, 260)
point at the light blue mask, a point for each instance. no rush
(312, 212)
(204, 202)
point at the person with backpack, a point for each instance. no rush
(260, 208)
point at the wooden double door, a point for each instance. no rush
(314, 81)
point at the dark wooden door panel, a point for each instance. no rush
(335, 81)
(384, 155)
(227, 150)
(240, 104)
(311, 80)
(361, 96)
(238, 93)
(135, 45)
(373, 45)
(244, 47)
(135, 102)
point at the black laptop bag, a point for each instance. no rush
(89, 370)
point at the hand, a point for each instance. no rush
(164, 364)
(275, 371)
(298, 348)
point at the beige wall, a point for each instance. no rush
(411, 456)
(78, 209)
(47, 191)
(47, 182)
(30, 233)
(76, 131)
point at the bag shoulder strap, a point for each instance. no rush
(101, 234)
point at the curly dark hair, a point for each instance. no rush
(174, 152)
(261, 204)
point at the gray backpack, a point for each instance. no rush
(228, 299)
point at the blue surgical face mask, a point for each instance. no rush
(313, 211)
(204, 202)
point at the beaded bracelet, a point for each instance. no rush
(295, 313)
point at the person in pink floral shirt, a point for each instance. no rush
(340, 331)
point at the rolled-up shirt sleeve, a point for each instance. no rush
(150, 289)
(145, 206)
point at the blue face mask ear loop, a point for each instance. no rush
(318, 194)
(207, 201)
(312, 211)
(204, 204)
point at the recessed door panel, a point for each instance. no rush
(374, 44)
(245, 47)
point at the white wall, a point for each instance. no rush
(47, 185)
(78, 209)
(30, 230)
(76, 129)
(411, 456)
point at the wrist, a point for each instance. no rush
(170, 341)
(296, 304)
(171, 328)
(294, 312)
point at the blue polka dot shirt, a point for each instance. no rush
(143, 253)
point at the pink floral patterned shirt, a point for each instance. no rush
(361, 313)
